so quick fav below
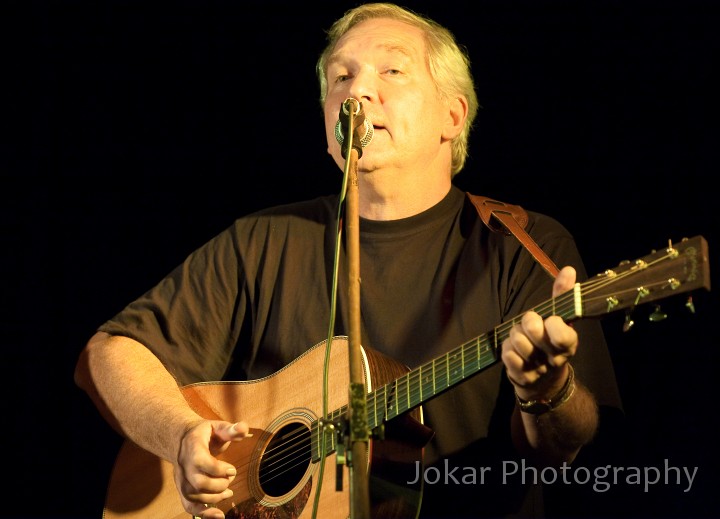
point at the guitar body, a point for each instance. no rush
(280, 410)
(278, 467)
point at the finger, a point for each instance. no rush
(200, 502)
(518, 370)
(545, 340)
(209, 498)
(533, 328)
(202, 487)
(524, 337)
(562, 341)
(520, 343)
(206, 511)
(530, 340)
(535, 346)
(564, 281)
(198, 458)
(524, 363)
(226, 432)
(239, 430)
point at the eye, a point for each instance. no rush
(342, 78)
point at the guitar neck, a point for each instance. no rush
(429, 380)
(673, 270)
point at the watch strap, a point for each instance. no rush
(545, 405)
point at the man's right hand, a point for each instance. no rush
(200, 477)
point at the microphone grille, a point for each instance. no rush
(364, 140)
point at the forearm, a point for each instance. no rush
(557, 436)
(135, 393)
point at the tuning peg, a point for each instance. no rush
(690, 305)
(629, 323)
(641, 292)
(657, 315)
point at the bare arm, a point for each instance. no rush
(556, 436)
(136, 394)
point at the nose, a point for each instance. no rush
(363, 86)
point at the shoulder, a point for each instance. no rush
(319, 205)
(272, 227)
(547, 232)
(306, 213)
(537, 224)
(541, 225)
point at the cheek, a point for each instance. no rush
(426, 126)
(330, 122)
(333, 147)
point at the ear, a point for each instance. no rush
(456, 116)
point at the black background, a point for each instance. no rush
(135, 131)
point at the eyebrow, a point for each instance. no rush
(392, 48)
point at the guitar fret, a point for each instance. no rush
(412, 376)
(447, 369)
(407, 392)
(474, 358)
(376, 421)
(420, 380)
(434, 388)
(477, 352)
(454, 371)
(402, 394)
(396, 396)
(384, 403)
(428, 381)
(392, 401)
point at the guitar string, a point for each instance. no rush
(455, 361)
(454, 364)
(563, 306)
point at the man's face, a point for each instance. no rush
(382, 63)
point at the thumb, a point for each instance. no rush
(564, 280)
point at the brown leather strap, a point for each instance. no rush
(512, 220)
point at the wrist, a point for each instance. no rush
(539, 406)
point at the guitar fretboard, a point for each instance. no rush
(429, 380)
(673, 270)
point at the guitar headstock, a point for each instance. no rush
(678, 268)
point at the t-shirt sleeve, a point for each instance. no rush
(189, 320)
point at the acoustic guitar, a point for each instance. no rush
(279, 467)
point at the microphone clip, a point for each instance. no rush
(351, 112)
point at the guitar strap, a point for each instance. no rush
(511, 219)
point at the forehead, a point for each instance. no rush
(382, 34)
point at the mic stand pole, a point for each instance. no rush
(357, 410)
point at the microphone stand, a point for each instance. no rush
(357, 410)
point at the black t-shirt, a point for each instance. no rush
(259, 294)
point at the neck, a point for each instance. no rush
(391, 195)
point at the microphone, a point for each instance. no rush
(363, 131)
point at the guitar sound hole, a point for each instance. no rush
(285, 460)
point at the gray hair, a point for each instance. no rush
(448, 62)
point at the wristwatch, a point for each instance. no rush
(545, 405)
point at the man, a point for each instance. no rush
(258, 295)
